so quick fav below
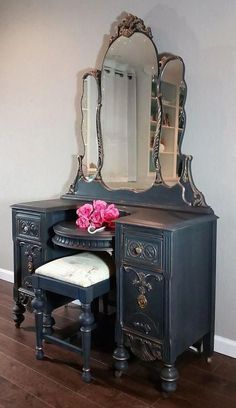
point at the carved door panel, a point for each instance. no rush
(30, 257)
(142, 305)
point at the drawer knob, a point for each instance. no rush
(26, 228)
(138, 250)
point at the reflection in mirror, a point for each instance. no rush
(89, 133)
(129, 111)
(173, 91)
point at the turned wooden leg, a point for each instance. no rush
(169, 376)
(18, 313)
(208, 346)
(120, 354)
(38, 306)
(87, 320)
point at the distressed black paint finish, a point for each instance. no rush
(166, 307)
(165, 267)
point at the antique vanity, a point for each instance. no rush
(164, 242)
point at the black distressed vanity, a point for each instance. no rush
(164, 242)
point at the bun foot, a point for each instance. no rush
(120, 356)
(169, 377)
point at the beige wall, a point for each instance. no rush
(44, 44)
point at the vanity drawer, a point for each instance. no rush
(146, 249)
(143, 299)
(28, 226)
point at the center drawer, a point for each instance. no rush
(146, 249)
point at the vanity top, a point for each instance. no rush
(46, 205)
(141, 216)
(159, 218)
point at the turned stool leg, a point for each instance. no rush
(48, 322)
(38, 305)
(87, 320)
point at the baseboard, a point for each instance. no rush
(225, 346)
(6, 275)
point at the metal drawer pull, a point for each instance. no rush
(30, 266)
(138, 250)
(142, 301)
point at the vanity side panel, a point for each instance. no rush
(37, 236)
(192, 286)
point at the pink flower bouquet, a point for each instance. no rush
(96, 215)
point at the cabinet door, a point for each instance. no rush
(142, 301)
(29, 258)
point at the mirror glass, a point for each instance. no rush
(89, 133)
(129, 112)
(173, 91)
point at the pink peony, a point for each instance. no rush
(96, 215)
(96, 219)
(82, 222)
(111, 213)
(99, 205)
(85, 210)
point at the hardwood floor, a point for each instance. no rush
(56, 381)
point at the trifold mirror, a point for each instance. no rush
(133, 116)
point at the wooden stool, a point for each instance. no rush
(84, 276)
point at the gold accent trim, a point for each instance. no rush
(129, 25)
(142, 301)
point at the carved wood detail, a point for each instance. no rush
(186, 179)
(142, 250)
(28, 228)
(80, 243)
(32, 253)
(129, 25)
(142, 326)
(143, 348)
(142, 284)
(26, 299)
(141, 279)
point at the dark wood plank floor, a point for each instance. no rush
(56, 381)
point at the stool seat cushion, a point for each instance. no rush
(83, 269)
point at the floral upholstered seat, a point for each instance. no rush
(83, 269)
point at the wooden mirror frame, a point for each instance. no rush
(184, 195)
